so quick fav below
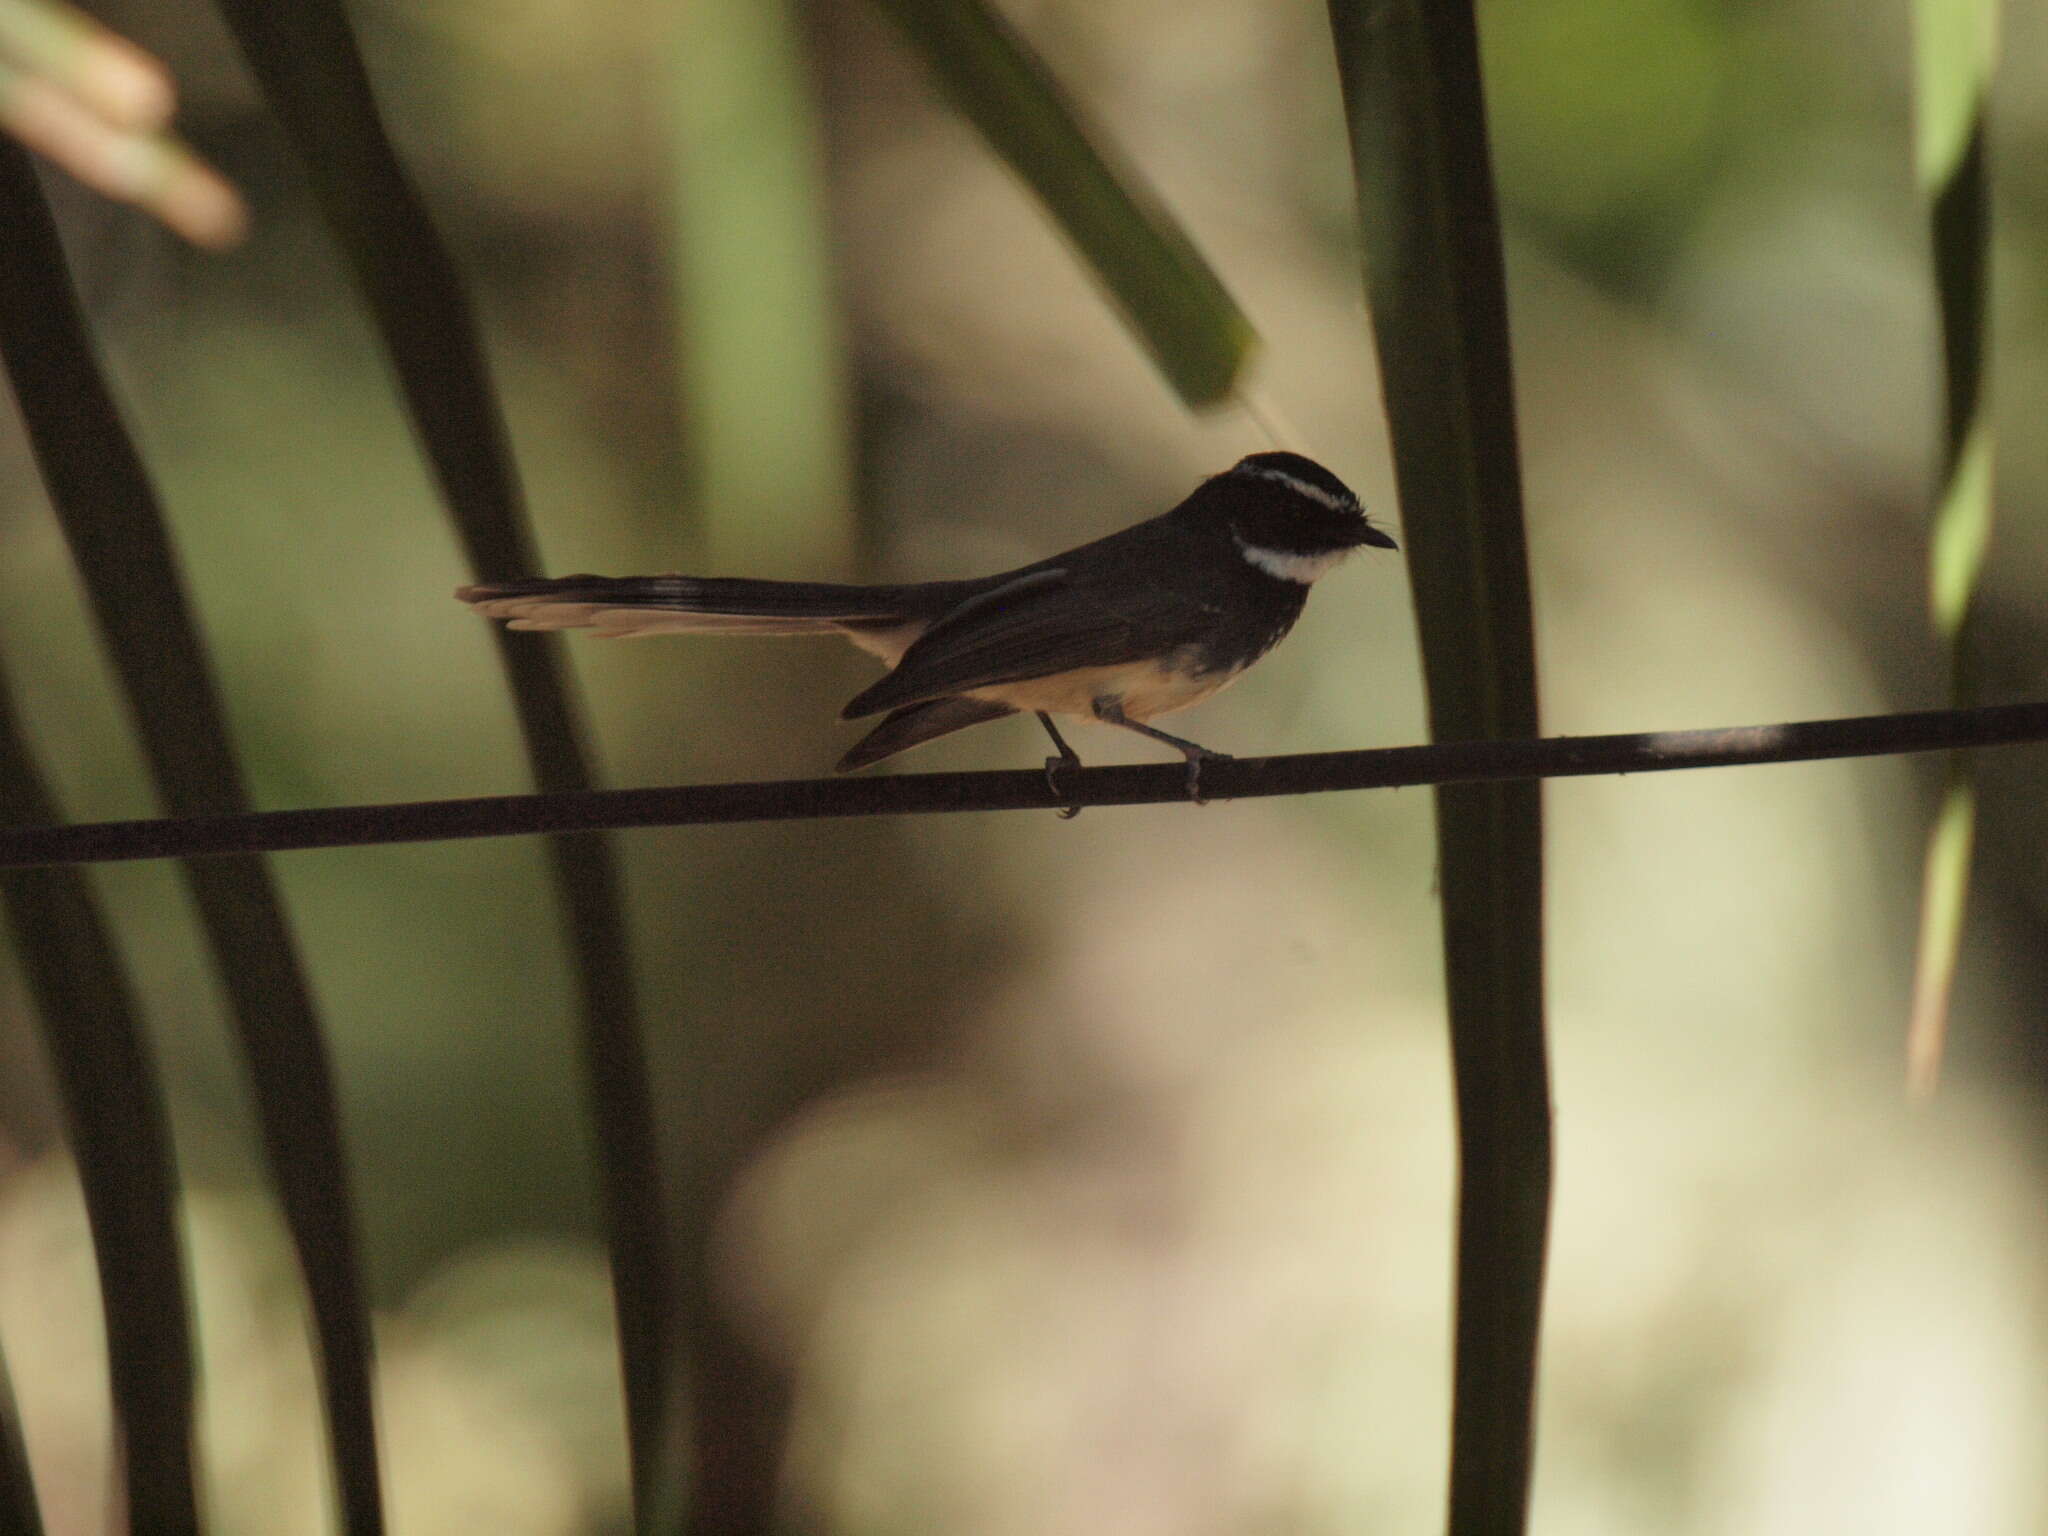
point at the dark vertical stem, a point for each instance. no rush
(306, 58)
(19, 1515)
(122, 1144)
(1411, 81)
(111, 518)
(1961, 223)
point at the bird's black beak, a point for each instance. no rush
(1379, 538)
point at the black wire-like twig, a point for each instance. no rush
(924, 794)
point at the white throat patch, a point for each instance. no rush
(1301, 569)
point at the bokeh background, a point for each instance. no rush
(1091, 1176)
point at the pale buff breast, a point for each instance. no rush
(1142, 689)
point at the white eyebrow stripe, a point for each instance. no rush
(1300, 569)
(1306, 488)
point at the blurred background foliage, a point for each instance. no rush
(1092, 1177)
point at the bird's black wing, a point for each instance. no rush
(1042, 623)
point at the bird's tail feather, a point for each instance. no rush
(915, 724)
(644, 605)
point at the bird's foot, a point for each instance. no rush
(1054, 766)
(1110, 710)
(1197, 756)
(1066, 758)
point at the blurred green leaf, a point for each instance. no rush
(1598, 118)
(97, 105)
(762, 379)
(1961, 535)
(1412, 96)
(1955, 51)
(111, 519)
(1955, 48)
(122, 1145)
(108, 75)
(1944, 897)
(1169, 295)
(769, 451)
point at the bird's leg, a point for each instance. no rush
(1066, 759)
(1110, 712)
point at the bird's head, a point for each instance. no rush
(1289, 516)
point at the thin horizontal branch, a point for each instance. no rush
(1998, 725)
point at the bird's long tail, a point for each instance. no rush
(654, 605)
